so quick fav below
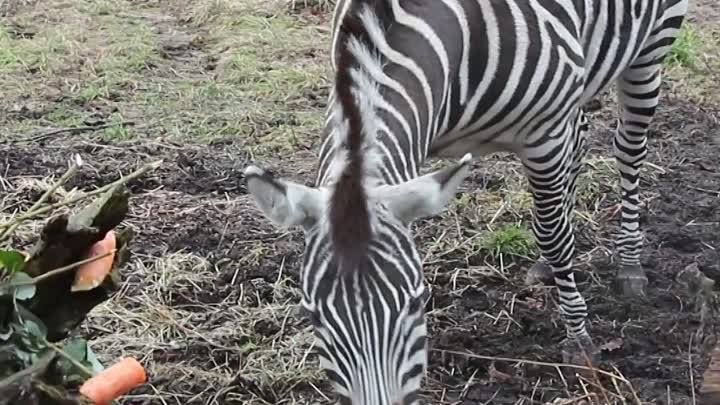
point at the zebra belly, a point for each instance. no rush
(476, 144)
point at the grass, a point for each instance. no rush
(98, 61)
(165, 318)
(508, 241)
(212, 309)
(325, 5)
(684, 52)
(693, 67)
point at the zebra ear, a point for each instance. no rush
(426, 195)
(285, 203)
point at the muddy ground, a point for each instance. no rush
(210, 301)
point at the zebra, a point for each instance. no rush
(417, 79)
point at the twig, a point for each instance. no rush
(55, 272)
(45, 135)
(68, 357)
(690, 370)
(65, 177)
(704, 190)
(630, 387)
(533, 362)
(31, 214)
(597, 379)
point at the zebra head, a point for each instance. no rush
(366, 300)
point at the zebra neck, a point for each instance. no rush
(391, 153)
(393, 157)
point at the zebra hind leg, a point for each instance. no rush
(638, 95)
(553, 193)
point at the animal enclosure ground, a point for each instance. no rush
(210, 302)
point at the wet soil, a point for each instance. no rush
(654, 341)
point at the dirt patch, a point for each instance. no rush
(704, 12)
(215, 168)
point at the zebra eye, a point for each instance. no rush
(315, 318)
(417, 303)
(310, 313)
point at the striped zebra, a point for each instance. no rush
(455, 78)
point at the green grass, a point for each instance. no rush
(509, 240)
(79, 42)
(692, 67)
(245, 66)
(685, 49)
(268, 57)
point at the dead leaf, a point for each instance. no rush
(498, 376)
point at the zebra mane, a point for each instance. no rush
(349, 214)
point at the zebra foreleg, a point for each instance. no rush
(541, 272)
(552, 171)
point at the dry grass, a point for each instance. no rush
(220, 344)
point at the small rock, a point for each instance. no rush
(694, 280)
(612, 345)
(698, 286)
(175, 44)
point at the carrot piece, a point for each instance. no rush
(91, 275)
(115, 381)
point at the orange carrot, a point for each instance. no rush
(115, 381)
(91, 275)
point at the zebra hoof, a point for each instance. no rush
(539, 273)
(631, 280)
(582, 352)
